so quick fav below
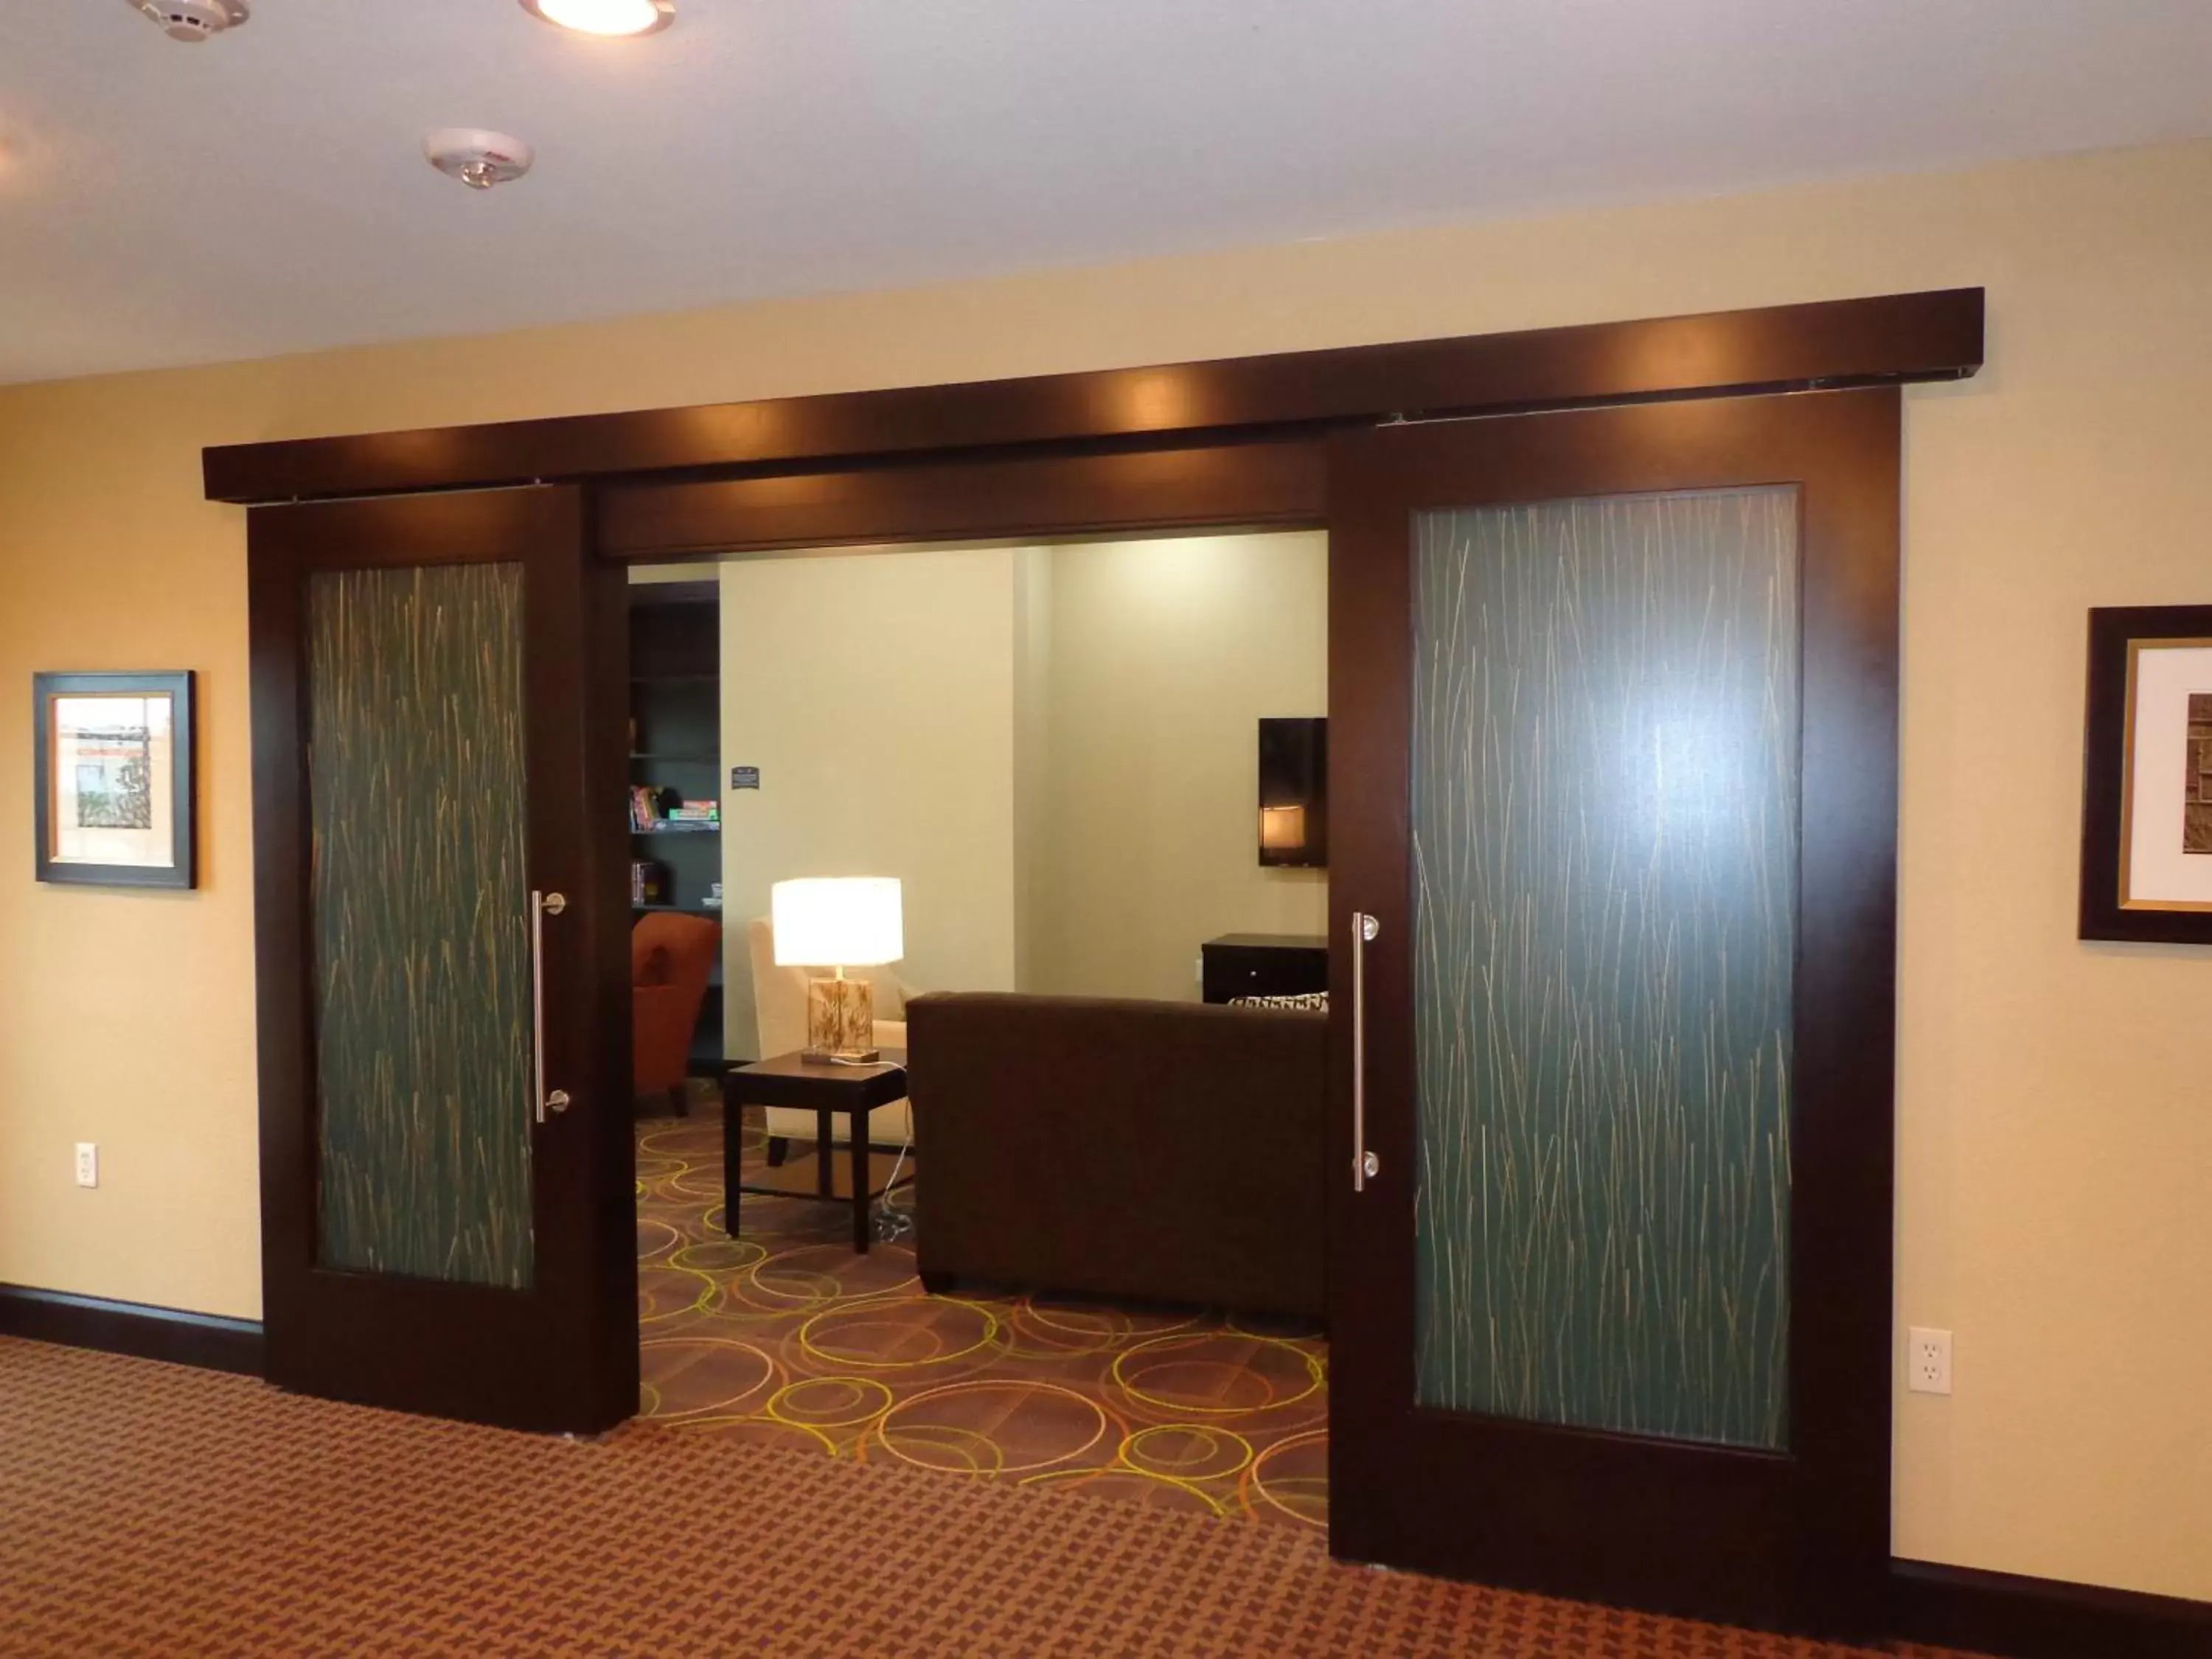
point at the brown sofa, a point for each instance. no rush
(1155, 1150)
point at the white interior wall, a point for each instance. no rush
(1164, 656)
(875, 692)
(1055, 748)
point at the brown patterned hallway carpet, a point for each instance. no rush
(147, 1510)
(784, 1336)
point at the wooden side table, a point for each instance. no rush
(824, 1091)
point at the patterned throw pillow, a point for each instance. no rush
(1312, 1001)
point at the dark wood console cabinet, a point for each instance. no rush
(1263, 965)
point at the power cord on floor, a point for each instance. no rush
(891, 1222)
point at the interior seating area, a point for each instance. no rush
(952, 1149)
(1074, 903)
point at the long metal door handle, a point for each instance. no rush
(1365, 1164)
(542, 905)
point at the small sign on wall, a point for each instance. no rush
(744, 777)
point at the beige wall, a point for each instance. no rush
(1164, 656)
(1059, 749)
(2054, 1132)
(876, 694)
(1032, 796)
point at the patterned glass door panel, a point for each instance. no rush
(1605, 763)
(419, 899)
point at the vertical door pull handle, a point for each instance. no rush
(1365, 1165)
(542, 905)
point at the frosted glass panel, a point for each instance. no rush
(1604, 809)
(420, 922)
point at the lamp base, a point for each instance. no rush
(841, 1023)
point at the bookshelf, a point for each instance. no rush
(676, 730)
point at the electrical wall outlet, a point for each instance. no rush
(1927, 1361)
(88, 1164)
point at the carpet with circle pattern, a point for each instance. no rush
(786, 1335)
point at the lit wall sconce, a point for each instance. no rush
(1294, 792)
(1282, 828)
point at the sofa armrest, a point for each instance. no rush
(890, 1034)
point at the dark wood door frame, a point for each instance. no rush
(1891, 339)
(1272, 482)
(1133, 450)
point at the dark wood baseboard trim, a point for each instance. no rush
(207, 1341)
(2014, 1617)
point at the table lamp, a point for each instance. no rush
(838, 922)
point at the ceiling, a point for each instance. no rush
(266, 192)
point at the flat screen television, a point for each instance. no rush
(1294, 792)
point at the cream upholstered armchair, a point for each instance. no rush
(780, 1008)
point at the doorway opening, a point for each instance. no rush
(1093, 1202)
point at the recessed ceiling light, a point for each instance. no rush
(606, 17)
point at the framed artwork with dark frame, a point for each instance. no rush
(113, 783)
(2147, 776)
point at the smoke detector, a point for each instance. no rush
(477, 158)
(193, 20)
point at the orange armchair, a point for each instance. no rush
(670, 957)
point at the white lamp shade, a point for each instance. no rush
(837, 921)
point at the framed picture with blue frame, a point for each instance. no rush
(113, 760)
